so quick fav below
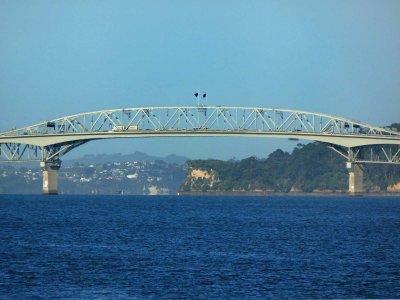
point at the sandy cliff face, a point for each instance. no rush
(197, 173)
(395, 188)
(200, 180)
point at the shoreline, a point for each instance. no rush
(294, 194)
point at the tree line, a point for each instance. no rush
(309, 168)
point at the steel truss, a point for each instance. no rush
(202, 118)
(377, 154)
(191, 120)
(12, 152)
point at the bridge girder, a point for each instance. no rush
(377, 154)
(49, 140)
(345, 140)
(15, 152)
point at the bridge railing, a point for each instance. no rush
(201, 118)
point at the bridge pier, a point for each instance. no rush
(356, 176)
(50, 176)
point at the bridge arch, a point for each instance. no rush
(49, 140)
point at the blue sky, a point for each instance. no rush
(65, 57)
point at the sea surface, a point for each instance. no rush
(170, 247)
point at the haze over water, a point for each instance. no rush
(142, 247)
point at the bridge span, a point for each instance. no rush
(48, 141)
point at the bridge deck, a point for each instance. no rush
(54, 138)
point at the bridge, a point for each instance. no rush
(48, 141)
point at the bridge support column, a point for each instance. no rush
(356, 182)
(50, 176)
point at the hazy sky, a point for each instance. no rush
(65, 57)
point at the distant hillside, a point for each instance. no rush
(309, 168)
(130, 178)
(395, 126)
(118, 157)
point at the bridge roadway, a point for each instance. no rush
(48, 141)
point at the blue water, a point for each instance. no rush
(142, 247)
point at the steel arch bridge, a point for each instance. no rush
(48, 141)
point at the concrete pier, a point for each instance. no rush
(356, 178)
(50, 176)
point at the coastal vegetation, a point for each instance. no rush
(309, 168)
